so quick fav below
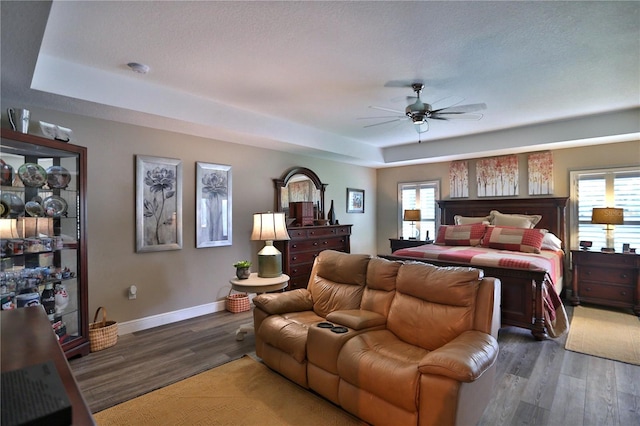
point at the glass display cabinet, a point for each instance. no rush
(42, 233)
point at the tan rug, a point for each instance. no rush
(606, 334)
(241, 392)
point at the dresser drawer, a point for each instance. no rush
(606, 275)
(318, 245)
(589, 290)
(298, 269)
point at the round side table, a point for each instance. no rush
(256, 284)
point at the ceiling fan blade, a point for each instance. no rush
(455, 116)
(462, 108)
(384, 122)
(387, 109)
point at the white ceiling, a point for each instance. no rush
(300, 76)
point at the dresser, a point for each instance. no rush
(611, 279)
(305, 244)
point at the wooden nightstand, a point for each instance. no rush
(400, 244)
(611, 279)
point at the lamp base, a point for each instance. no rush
(269, 261)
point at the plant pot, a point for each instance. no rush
(243, 273)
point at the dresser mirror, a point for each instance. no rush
(299, 184)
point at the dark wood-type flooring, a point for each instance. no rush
(538, 383)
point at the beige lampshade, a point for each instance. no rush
(607, 216)
(269, 227)
(412, 215)
(8, 229)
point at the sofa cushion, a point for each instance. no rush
(289, 301)
(288, 332)
(433, 304)
(338, 281)
(381, 285)
(381, 364)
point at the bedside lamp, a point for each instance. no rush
(269, 227)
(608, 216)
(413, 216)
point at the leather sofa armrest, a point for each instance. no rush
(464, 358)
(357, 319)
(279, 303)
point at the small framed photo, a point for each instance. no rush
(355, 200)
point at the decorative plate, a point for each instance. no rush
(4, 209)
(32, 174)
(34, 209)
(54, 206)
(15, 204)
(58, 177)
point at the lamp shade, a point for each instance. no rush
(607, 216)
(412, 215)
(269, 227)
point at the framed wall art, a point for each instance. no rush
(158, 204)
(459, 179)
(540, 165)
(355, 200)
(213, 205)
(497, 176)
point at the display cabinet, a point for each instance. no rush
(42, 233)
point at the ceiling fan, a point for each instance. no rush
(420, 112)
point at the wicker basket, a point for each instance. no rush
(103, 334)
(238, 302)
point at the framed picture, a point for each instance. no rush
(213, 205)
(355, 200)
(158, 204)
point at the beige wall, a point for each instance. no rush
(173, 280)
(564, 161)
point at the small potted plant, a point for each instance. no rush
(242, 269)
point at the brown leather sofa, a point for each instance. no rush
(418, 345)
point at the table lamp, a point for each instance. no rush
(269, 227)
(413, 216)
(608, 216)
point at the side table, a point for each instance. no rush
(256, 284)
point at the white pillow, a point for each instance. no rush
(551, 242)
(515, 220)
(468, 220)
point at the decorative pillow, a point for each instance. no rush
(468, 220)
(514, 220)
(525, 240)
(551, 242)
(460, 235)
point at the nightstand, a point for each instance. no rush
(611, 279)
(400, 244)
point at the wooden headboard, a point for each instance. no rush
(552, 210)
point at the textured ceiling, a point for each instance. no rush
(301, 76)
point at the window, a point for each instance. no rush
(605, 188)
(422, 196)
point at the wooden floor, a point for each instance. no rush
(538, 383)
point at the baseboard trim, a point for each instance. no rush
(169, 317)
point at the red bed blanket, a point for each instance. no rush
(547, 261)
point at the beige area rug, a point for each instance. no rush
(605, 333)
(241, 392)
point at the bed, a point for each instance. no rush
(531, 282)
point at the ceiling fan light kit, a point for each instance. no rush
(420, 112)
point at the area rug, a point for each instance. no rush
(606, 334)
(241, 392)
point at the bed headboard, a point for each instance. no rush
(552, 210)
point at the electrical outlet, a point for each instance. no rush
(133, 292)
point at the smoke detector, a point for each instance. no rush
(139, 68)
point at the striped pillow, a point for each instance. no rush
(460, 235)
(515, 239)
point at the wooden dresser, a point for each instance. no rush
(305, 244)
(611, 279)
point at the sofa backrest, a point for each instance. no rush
(432, 304)
(381, 285)
(337, 281)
